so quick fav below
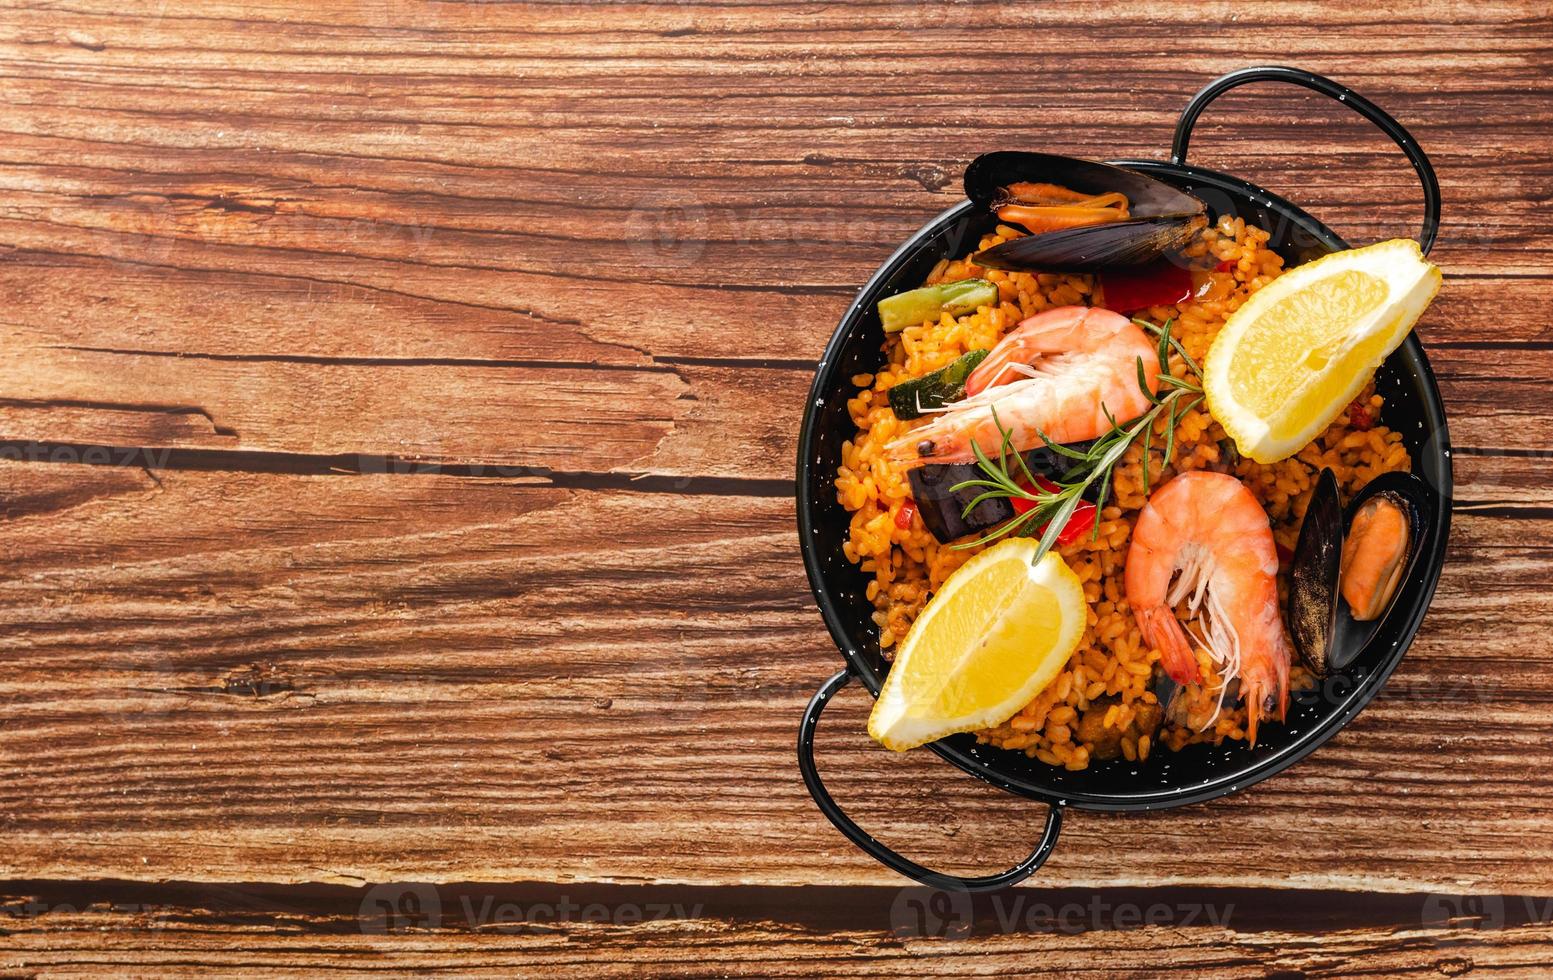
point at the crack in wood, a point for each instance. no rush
(767, 363)
(664, 366)
(154, 409)
(375, 464)
(1488, 451)
(331, 907)
(1505, 509)
(252, 683)
(372, 464)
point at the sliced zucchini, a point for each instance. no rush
(911, 398)
(921, 305)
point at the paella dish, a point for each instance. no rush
(1123, 481)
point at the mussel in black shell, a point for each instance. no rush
(1083, 216)
(1313, 589)
(1350, 565)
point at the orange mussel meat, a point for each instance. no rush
(1374, 554)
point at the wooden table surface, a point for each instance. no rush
(399, 404)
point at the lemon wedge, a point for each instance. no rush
(1300, 349)
(994, 635)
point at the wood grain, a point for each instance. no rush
(582, 247)
(178, 931)
(290, 371)
(397, 418)
(346, 673)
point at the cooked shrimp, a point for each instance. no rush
(1210, 529)
(1059, 372)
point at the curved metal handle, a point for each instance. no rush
(890, 859)
(1327, 87)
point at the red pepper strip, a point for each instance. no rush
(1160, 283)
(1023, 506)
(1360, 417)
(1224, 266)
(1080, 522)
(905, 514)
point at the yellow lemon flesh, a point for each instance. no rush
(1289, 360)
(992, 638)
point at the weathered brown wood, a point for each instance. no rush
(751, 932)
(106, 377)
(339, 675)
(396, 413)
(490, 247)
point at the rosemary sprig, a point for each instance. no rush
(1053, 508)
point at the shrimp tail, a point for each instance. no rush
(1265, 700)
(1161, 629)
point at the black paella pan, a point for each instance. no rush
(1166, 779)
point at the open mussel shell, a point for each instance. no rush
(1161, 217)
(1325, 632)
(1136, 241)
(1350, 636)
(1317, 562)
(988, 174)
